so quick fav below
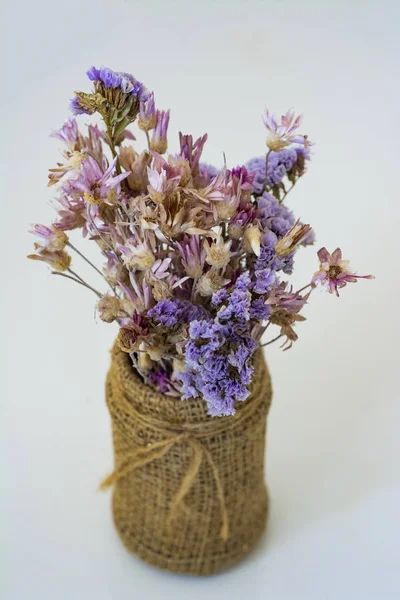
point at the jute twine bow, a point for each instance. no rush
(134, 459)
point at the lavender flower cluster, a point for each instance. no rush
(193, 256)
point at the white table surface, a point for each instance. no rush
(333, 439)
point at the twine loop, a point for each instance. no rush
(139, 457)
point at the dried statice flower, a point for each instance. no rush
(193, 257)
(289, 162)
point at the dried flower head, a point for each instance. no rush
(109, 308)
(137, 254)
(252, 239)
(147, 113)
(292, 239)
(218, 253)
(159, 142)
(334, 272)
(211, 282)
(57, 259)
(282, 134)
(53, 238)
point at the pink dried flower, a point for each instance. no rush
(282, 297)
(160, 184)
(137, 253)
(53, 237)
(193, 255)
(159, 142)
(216, 191)
(71, 215)
(282, 134)
(69, 134)
(334, 272)
(57, 259)
(147, 113)
(192, 151)
(138, 293)
(96, 183)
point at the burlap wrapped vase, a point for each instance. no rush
(189, 493)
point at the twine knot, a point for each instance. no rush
(139, 457)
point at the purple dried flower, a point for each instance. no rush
(159, 142)
(264, 281)
(259, 311)
(69, 133)
(147, 113)
(282, 134)
(95, 182)
(219, 297)
(53, 238)
(279, 165)
(192, 151)
(193, 255)
(171, 313)
(77, 109)
(334, 272)
(160, 379)
(112, 80)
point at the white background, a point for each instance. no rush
(333, 440)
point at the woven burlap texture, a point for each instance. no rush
(189, 493)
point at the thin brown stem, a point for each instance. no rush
(311, 285)
(285, 192)
(91, 264)
(271, 341)
(100, 235)
(81, 282)
(84, 258)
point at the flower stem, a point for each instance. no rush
(285, 192)
(100, 235)
(90, 263)
(311, 285)
(148, 140)
(266, 170)
(271, 341)
(111, 143)
(81, 282)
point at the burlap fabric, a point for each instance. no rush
(189, 493)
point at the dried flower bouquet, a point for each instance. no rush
(195, 258)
